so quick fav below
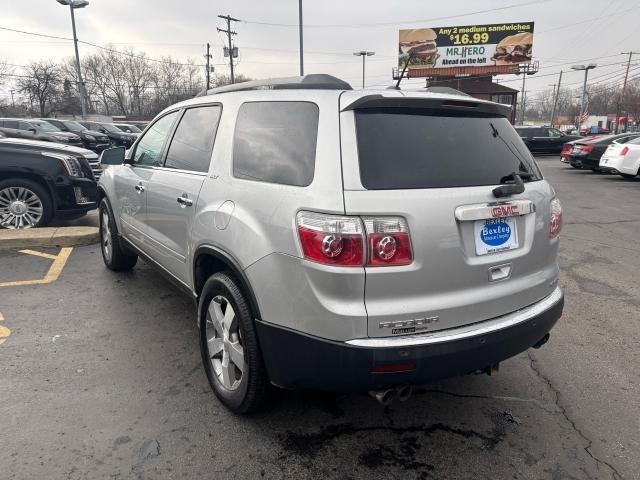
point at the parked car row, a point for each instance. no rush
(95, 136)
(616, 154)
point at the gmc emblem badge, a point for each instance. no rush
(505, 211)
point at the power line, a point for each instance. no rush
(401, 22)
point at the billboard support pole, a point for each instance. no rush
(404, 69)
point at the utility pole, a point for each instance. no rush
(13, 104)
(555, 100)
(208, 57)
(300, 36)
(229, 33)
(624, 88)
(522, 99)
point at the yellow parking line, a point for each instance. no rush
(52, 274)
(4, 331)
(39, 254)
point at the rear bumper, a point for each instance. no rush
(584, 161)
(296, 360)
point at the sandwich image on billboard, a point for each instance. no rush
(514, 49)
(466, 46)
(420, 44)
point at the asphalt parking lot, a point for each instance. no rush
(101, 378)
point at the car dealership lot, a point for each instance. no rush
(102, 378)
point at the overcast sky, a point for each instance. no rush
(566, 32)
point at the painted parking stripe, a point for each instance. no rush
(4, 331)
(52, 274)
(38, 254)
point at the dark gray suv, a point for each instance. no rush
(33, 129)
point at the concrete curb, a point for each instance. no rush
(48, 237)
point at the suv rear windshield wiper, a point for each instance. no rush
(513, 184)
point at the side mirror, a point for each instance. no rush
(112, 156)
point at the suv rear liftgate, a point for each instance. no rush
(422, 175)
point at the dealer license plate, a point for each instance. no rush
(496, 235)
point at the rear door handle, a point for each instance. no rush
(139, 188)
(184, 201)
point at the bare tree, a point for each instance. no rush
(41, 83)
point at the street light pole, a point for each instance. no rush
(363, 54)
(73, 4)
(300, 35)
(584, 88)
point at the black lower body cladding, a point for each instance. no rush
(296, 360)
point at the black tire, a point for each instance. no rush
(251, 390)
(596, 170)
(627, 176)
(120, 258)
(576, 166)
(39, 191)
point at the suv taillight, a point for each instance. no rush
(388, 241)
(331, 239)
(555, 220)
(340, 240)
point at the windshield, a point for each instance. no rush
(403, 148)
(129, 128)
(74, 126)
(45, 126)
(110, 128)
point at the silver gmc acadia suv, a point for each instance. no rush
(337, 239)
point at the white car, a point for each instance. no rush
(622, 158)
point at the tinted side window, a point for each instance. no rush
(192, 143)
(150, 145)
(10, 124)
(276, 142)
(25, 126)
(524, 132)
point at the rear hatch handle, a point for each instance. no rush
(511, 188)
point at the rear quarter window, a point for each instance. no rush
(276, 142)
(403, 148)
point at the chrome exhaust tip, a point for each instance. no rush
(403, 392)
(384, 397)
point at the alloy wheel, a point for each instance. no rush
(224, 343)
(105, 234)
(19, 208)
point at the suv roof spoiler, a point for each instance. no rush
(313, 81)
(465, 104)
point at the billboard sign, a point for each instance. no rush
(466, 46)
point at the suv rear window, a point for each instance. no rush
(276, 142)
(402, 148)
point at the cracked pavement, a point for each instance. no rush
(101, 378)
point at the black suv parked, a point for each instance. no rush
(544, 139)
(42, 181)
(117, 136)
(34, 129)
(91, 139)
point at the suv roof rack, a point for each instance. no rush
(313, 81)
